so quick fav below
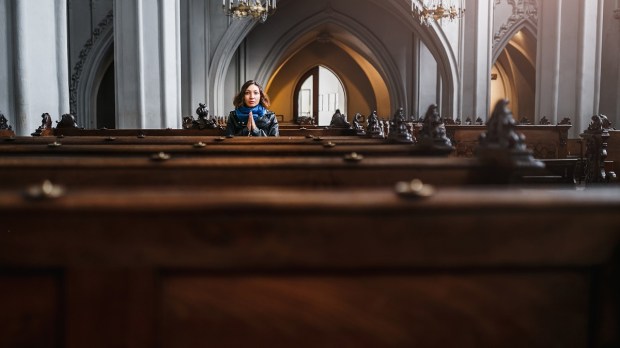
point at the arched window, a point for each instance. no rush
(318, 94)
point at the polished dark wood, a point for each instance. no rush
(545, 141)
(241, 171)
(178, 267)
(613, 149)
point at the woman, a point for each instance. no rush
(251, 117)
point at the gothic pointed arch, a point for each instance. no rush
(514, 73)
(525, 25)
(433, 37)
(95, 58)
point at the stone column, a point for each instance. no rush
(569, 61)
(34, 73)
(147, 63)
(477, 59)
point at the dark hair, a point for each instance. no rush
(264, 98)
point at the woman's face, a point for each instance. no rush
(252, 96)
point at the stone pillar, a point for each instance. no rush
(477, 59)
(569, 61)
(147, 63)
(34, 73)
(6, 47)
(196, 48)
(610, 68)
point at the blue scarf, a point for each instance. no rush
(244, 111)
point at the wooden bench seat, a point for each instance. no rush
(110, 171)
(57, 147)
(307, 171)
(306, 267)
(190, 140)
(545, 141)
(298, 131)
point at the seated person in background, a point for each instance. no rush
(251, 117)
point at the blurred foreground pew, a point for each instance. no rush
(307, 267)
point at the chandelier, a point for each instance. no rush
(250, 9)
(436, 10)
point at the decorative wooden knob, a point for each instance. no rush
(160, 156)
(353, 157)
(414, 189)
(45, 190)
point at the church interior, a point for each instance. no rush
(444, 175)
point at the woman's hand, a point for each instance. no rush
(251, 124)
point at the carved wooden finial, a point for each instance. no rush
(46, 126)
(358, 124)
(501, 144)
(4, 123)
(596, 137)
(66, 121)
(5, 128)
(339, 120)
(374, 128)
(202, 111)
(399, 131)
(204, 121)
(566, 120)
(433, 132)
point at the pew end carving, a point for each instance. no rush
(504, 147)
(358, 124)
(399, 132)
(6, 130)
(67, 121)
(597, 169)
(204, 121)
(433, 134)
(374, 129)
(45, 129)
(339, 120)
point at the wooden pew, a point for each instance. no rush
(190, 140)
(247, 171)
(298, 131)
(613, 150)
(305, 267)
(545, 141)
(317, 149)
(389, 170)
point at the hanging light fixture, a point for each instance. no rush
(436, 10)
(249, 9)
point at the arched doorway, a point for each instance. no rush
(106, 100)
(318, 94)
(513, 76)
